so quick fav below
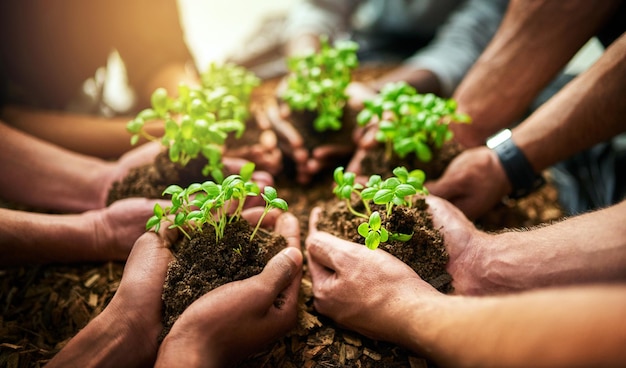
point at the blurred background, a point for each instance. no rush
(241, 30)
(216, 29)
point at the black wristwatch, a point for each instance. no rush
(523, 178)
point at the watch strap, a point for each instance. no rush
(523, 178)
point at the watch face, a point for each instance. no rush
(497, 139)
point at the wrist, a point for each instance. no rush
(107, 341)
(519, 171)
(183, 347)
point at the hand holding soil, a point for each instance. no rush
(474, 181)
(239, 318)
(361, 289)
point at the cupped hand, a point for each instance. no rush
(291, 142)
(364, 290)
(116, 228)
(237, 319)
(474, 182)
(265, 153)
(464, 243)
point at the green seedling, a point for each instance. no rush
(271, 201)
(198, 121)
(205, 204)
(345, 187)
(398, 190)
(373, 232)
(411, 122)
(318, 82)
(236, 80)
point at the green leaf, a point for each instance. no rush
(383, 196)
(374, 221)
(401, 237)
(269, 194)
(172, 190)
(159, 100)
(280, 204)
(372, 240)
(153, 222)
(247, 170)
(134, 139)
(363, 229)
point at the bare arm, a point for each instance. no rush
(587, 248)
(97, 235)
(579, 326)
(535, 40)
(585, 112)
(41, 175)
(106, 138)
(589, 110)
(379, 296)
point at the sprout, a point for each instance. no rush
(318, 82)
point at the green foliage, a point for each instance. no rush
(373, 232)
(237, 80)
(398, 190)
(411, 122)
(271, 201)
(204, 204)
(198, 121)
(318, 81)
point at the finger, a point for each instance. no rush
(233, 165)
(262, 178)
(444, 188)
(355, 163)
(284, 128)
(327, 249)
(328, 151)
(314, 217)
(282, 270)
(253, 214)
(262, 121)
(150, 251)
(288, 226)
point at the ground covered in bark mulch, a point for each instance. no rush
(45, 306)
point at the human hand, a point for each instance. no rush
(308, 162)
(237, 319)
(115, 228)
(125, 334)
(474, 182)
(365, 290)
(265, 154)
(464, 243)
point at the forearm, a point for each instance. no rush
(457, 44)
(583, 249)
(45, 176)
(27, 237)
(423, 80)
(89, 135)
(589, 110)
(534, 41)
(551, 327)
(107, 341)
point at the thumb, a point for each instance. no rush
(282, 269)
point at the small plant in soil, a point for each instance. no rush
(398, 190)
(409, 122)
(208, 203)
(237, 80)
(219, 246)
(318, 81)
(198, 121)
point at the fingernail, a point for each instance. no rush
(294, 254)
